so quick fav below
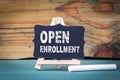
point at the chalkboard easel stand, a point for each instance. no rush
(42, 61)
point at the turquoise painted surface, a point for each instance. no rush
(24, 70)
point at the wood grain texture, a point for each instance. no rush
(101, 19)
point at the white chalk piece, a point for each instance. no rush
(92, 67)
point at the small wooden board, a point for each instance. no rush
(58, 63)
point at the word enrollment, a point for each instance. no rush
(59, 38)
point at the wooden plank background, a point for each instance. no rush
(101, 19)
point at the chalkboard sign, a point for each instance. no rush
(59, 41)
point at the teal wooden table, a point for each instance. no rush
(24, 70)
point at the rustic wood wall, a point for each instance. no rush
(101, 19)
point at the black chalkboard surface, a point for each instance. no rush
(59, 41)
